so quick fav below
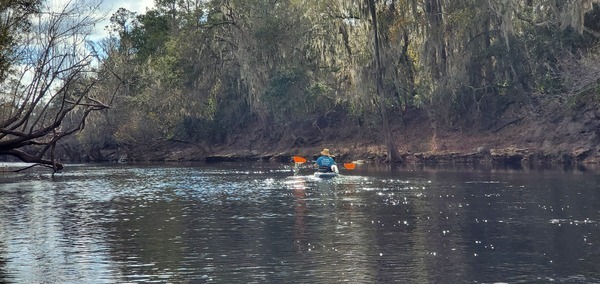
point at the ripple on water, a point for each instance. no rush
(255, 223)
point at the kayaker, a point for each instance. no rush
(325, 162)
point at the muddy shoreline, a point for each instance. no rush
(503, 157)
(572, 140)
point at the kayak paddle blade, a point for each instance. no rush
(299, 160)
(349, 166)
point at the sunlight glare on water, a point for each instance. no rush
(258, 222)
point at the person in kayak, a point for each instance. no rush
(325, 162)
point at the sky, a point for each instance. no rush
(107, 8)
(111, 6)
(138, 6)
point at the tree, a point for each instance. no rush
(196, 70)
(14, 15)
(392, 151)
(50, 91)
(369, 9)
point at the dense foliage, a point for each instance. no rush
(202, 71)
(15, 20)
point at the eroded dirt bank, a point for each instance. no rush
(514, 140)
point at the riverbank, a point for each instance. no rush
(515, 140)
(514, 157)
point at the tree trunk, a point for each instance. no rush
(393, 155)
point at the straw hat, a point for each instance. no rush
(325, 152)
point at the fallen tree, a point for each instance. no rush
(48, 90)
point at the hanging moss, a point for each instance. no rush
(465, 62)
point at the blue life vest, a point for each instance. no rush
(325, 163)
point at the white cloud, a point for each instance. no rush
(138, 6)
(109, 7)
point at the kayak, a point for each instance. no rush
(325, 175)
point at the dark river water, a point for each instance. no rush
(259, 223)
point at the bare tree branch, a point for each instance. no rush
(57, 78)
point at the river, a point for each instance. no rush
(260, 223)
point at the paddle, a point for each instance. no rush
(299, 160)
(302, 160)
(350, 166)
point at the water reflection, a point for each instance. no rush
(47, 238)
(261, 223)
